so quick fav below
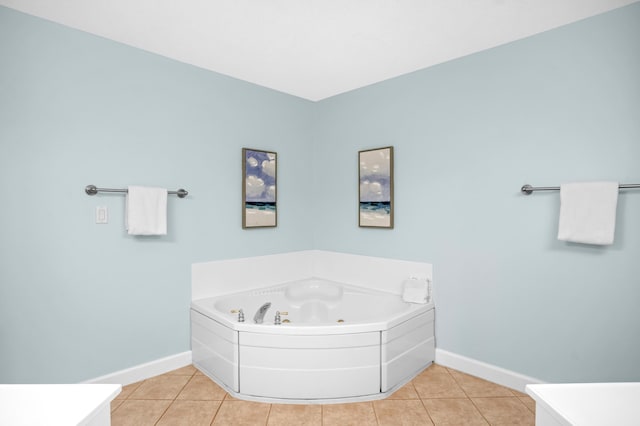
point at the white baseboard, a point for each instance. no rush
(145, 371)
(489, 372)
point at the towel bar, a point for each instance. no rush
(93, 190)
(528, 189)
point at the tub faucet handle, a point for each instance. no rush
(277, 320)
(240, 316)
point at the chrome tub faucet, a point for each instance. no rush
(258, 318)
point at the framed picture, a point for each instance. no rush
(376, 188)
(259, 180)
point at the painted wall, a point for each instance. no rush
(558, 107)
(80, 300)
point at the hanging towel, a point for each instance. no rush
(146, 211)
(588, 212)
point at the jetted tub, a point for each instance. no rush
(335, 343)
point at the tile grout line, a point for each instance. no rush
(268, 414)
(175, 397)
(426, 410)
(213, 419)
(469, 398)
(375, 413)
(520, 399)
(127, 398)
(513, 395)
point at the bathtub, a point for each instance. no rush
(334, 342)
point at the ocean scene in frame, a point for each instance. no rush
(259, 173)
(376, 188)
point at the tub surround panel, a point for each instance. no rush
(215, 350)
(270, 338)
(368, 271)
(310, 367)
(405, 348)
(399, 340)
(210, 279)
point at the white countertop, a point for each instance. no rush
(53, 404)
(586, 404)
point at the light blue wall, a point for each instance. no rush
(80, 300)
(561, 106)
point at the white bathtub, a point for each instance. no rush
(336, 342)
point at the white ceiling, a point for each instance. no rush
(314, 49)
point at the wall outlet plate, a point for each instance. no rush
(102, 215)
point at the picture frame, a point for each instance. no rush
(375, 189)
(259, 188)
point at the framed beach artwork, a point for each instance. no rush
(259, 179)
(376, 188)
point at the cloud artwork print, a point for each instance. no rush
(258, 189)
(376, 188)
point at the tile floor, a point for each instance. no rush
(438, 396)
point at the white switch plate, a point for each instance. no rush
(102, 215)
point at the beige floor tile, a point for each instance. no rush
(189, 413)
(504, 411)
(476, 387)
(529, 403)
(128, 390)
(229, 397)
(160, 387)
(295, 415)
(438, 384)
(243, 413)
(138, 412)
(116, 403)
(435, 368)
(354, 414)
(450, 412)
(401, 412)
(408, 391)
(189, 370)
(202, 388)
(517, 393)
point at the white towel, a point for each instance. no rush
(416, 291)
(146, 211)
(588, 212)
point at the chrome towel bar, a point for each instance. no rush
(528, 189)
(93, 190)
